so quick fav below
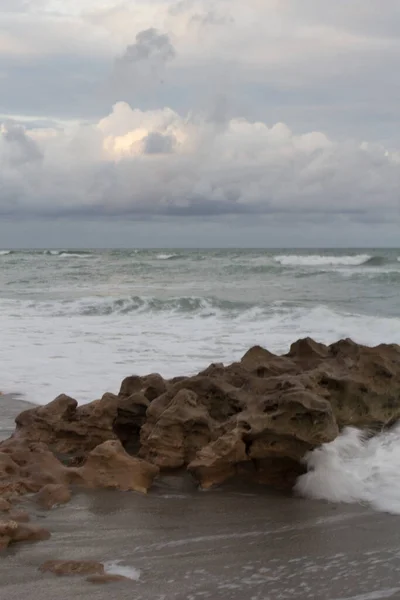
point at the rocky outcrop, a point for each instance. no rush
(72, 430)
(66, 428)
(255, 418)
(28, 467)
(109, 466)
(259, 417)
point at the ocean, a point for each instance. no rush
(78, 322)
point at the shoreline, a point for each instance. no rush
(224, 545)
(226, 430)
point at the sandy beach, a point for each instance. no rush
(228, 544)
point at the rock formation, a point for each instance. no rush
(72, 567)
(255, 418)
(270, 410)
(14, 531)
(72, 430)
(53, 494)
(94, 571)
(109, 466)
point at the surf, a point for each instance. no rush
(355, 468)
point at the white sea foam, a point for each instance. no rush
(163, 256)
(316, 260)
(356, 468)
(115, 568)
(48, 349)
(73, 255)
(5, 252)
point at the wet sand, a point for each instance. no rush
(228, 544)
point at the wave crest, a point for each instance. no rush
(163, 256)
(140, 304)
(67, 253)
(318, 260)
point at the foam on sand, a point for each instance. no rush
(115, 568)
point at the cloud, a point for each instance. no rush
(227, 72)
(315, 64)
(140, 69)
(157, 143)
(17, 148)
(143, 164)
(198, 13)
(150, 46)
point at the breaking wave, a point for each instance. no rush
(5, 252)
(317, 260)
(74, 255)
(141, 304)
(356, 468)
(100, 339)
(163, 256)
(67, 253)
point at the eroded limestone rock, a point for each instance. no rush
(109, 466)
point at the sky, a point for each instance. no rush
(181, 123)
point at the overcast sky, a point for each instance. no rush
(199, 123)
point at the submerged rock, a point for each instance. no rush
(72, 567)
(106, 578)
(52, 495)
(21, 516)
(5, 506)
(94, 570)
(14, 531)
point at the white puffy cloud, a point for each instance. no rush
(143, 163)
(197, 86)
